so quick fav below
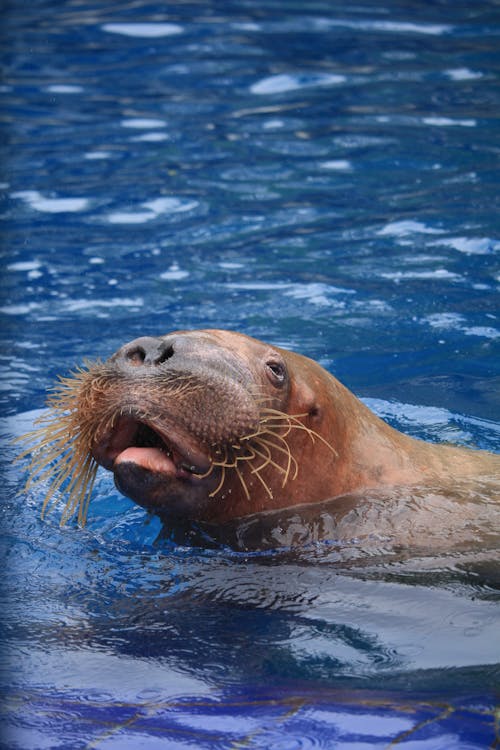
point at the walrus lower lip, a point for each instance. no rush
(166, 452)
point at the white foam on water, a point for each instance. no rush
(259, 286)
(230, 265)
(409, 413)
(97, 155)
(51, 205)
(323, 295)
(169, 205)
(76, 305)
(444, 122)
(445, 321)
(463, 74)
(487, 332)
(471, 245)
(432, 274)
(64, 88)
(406, 227)
(284, 82)
(130, 217)
(325, 24)
(154, 137)
(448, 321)
(174, 273)
(146, 123)
(247, 26)
(154, 208)
(337, 164)
(273, 124)
(404, 27)
(23, 309)
(143, 30)
(27, 265)
(366, 726)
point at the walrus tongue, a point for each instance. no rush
(151, 459)
(155, 460)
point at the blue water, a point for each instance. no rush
(323, 177)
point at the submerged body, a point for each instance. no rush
(214, 426)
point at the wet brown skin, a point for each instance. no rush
(165, 413)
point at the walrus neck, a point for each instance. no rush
(378, 454)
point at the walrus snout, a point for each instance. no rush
(193, 353)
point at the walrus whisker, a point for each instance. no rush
(283, 419)
(221, 482)
(284, 448)
(268, 461)
(267, 434)
(272, 446)
(239, 456)
(270, 494)
(53, 488)
(62, 471)
(40, 467)
(272, 427)
(230, 464)
(262, 442)
(225, 464)
(73, 498)
(83, 471)
(224, 461)
(290, 458)
(208, 472)
(253, 453)
(313, 435)
(242, 481)
(270, 435)
(37, 476)
(58, 449)
(77, 472)
(78, 496)
(275, 414)
(80, 493)
(248, 437)
(294, 423)
(250, 456)
(62, 444)
(273, 418)
(261, 395)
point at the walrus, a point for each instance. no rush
(213, 426)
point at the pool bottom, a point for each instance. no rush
(258, 719)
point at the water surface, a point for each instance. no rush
(319, 176)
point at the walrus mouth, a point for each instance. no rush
(163, 450)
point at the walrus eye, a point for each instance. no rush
(276, 372)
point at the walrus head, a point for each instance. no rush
(194, 424)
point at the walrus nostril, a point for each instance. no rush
(136, 356)
(146, 350)
(168, 352)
